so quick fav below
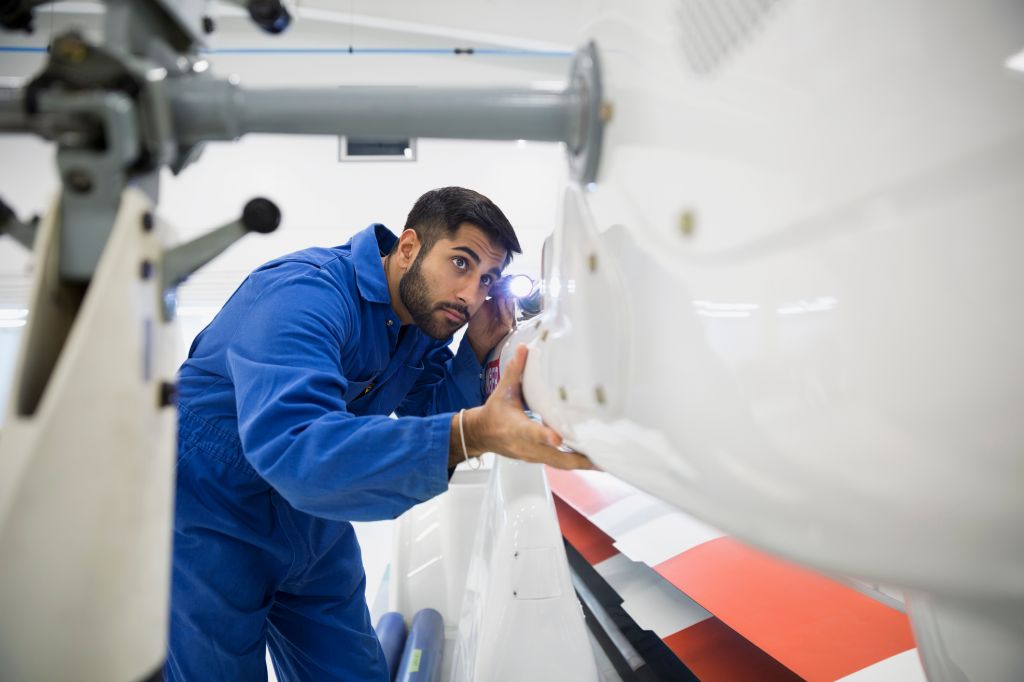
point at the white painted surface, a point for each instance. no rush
(86, 483)
(903, 667)
(664, 538)
(521, 619)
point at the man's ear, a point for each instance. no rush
(408, 248)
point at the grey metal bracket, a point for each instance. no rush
(21, 232)
(93, 178)
(259, 215)
(594, 112)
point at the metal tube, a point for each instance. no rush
(221, 110)
(12, 113)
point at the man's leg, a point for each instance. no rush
(319, 626)
(225, 570)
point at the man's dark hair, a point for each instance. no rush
(438, 214)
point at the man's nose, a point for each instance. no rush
(471, 296)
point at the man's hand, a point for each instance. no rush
(492, 322)
(501, 426)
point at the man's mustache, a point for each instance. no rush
(455, 308)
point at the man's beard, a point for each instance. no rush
(415, 295)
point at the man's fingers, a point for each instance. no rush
(568, 460)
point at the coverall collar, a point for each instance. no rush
(367, 247)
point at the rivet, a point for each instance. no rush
(544, 335)
(71, 49)
(147, 222)
(599, 395)
(562, 393)
(390, 322)
(606, 112)
(592, 262)
(687, 223)
(146, 269)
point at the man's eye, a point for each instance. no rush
(487, 281)
(459, 262)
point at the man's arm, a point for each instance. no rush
(289, 378)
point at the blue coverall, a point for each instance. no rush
(285, 437)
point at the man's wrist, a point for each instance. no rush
(480, 353)
(466, 439)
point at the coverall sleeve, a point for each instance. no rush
(289, 378)
(448, 383)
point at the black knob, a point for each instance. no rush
(168, 393)
(270, 15)
(261, 215)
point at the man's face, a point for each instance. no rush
(446, 285)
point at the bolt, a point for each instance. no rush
(562, 393)
(605, 112)
(146, 269)
(147, 221)
(592, 262)
(687, 223)
(168, 393)
(70, 48)
(78, 180)
(599, 395)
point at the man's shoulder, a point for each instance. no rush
(315, 257)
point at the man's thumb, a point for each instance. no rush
(513, 372)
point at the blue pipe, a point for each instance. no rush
(391, 633)
(424, 649)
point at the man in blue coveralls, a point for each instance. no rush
(285, 437)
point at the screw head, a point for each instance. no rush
(147, 221)
(208, 25)
(592, 262)
(79, 180)
(687, 223)
(599, 395)
(563, 394)
(146, 269)
(606, 112)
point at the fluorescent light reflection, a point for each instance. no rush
(1016, 62)
(12, 318)
(818, 305)
(430, 529)
(422, 567)
(725, 310)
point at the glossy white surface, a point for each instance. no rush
(789, 306)
(521, 619)
(85, 484)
